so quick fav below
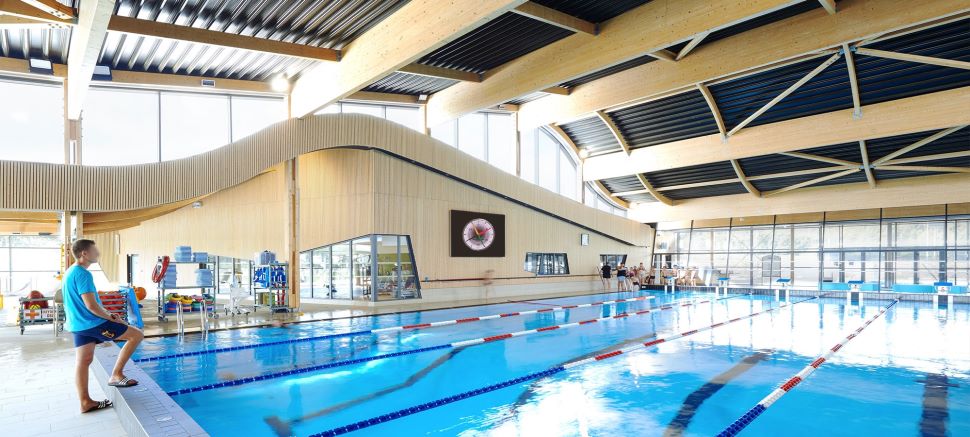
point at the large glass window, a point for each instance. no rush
(501, 141)
(409, 116)
(32, 122)
(471, 135)
(253, 114)
(883, 254)
(120, 127)
(544, 264)
(29, 262)
(346, 270)
(192, 124)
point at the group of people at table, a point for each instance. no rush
(639, 276)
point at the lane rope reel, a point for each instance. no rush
(160, 268)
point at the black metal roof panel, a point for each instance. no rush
(673, 118)
(754, 23)
(771, 164)
(591, 134)
(641, 197)
(527, 98)
(622, 184)
(689, 175)
(778, 183)
(635, 62)
(413, 84)
(499, 41)
(958, 141)
(828, 91)
(595, 11)
(708, 191)
(881, 79)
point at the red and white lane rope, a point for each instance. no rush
(389, 329)
(789, 384)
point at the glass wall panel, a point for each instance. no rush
(501, 141)
(446, 132)
(471, 134)
(192, 124)
(306, 270)
(253, 114)
(32, 124)
(548, 165)
(120, 127)
(567, 175)
(527, 155)
(341, 265)
(29, 263)
(362, 108)
(409, 116)
(343, 270)
(362, 268)
(321, 273)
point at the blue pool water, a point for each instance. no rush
(907, 373)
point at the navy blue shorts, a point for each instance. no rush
(107, 331)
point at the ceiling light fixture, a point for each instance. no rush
(280, 84)
(583, 153)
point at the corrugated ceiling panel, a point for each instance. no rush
(642, 197)
(771, 164)
(673, 118)
(778, 183)
(693, 174)
(739, 98)
(958, 141)
(781, 14)
(635, 62)
(881, 79)
(495, 43)
(622, 183)
(413, 84)
(592, 134)
(595, 11)
(708, 191)
(527, 98)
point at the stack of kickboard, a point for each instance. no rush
(203, 277)
(264, 258)
(170, 279)
(200, 257)
(183, 254)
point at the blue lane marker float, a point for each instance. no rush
(762, 405)
(392, 329)
(457, 344)
(377, 420)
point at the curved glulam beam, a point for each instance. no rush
(653, 191)
(744, 179)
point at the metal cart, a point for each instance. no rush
(162, 291)
(276, 292)
(52, 315)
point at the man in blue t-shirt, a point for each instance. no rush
(92, 324)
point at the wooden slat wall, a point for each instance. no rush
(40, 186)
(349, 193)
(111, 258)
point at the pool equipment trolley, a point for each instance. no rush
(166, 286)
(270, 287)
(33, 312)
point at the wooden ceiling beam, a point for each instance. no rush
(558, 90)
(927, 112)
(653, 192)
(803, 35)
(864, 151)
(795, 86)
(691, 45)
(414, 30)
(663, 55)
(853, 80)
(653, 26)
(744, 180)
(825, 159)
(608, 121)
(53, 8)
(924, 168)
(87, 40)
(917, 145)
(711, 103)
(554, 17)
(440, 72)
(914, 58)
(924, 158)
(18, 8)
(810, 182)
(611, 196)
(15, 22)
(155, 29)
(829, 6)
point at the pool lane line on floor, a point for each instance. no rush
(537, 375)
(452, 345)
(391, 329)
(762, 405)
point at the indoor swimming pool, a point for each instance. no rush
(907, 373)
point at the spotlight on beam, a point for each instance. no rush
(583, 153)
(101, 72)
(280, 84)
(41, 66)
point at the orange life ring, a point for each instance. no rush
(160, 268)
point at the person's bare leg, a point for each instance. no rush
(85, 354)
(132, 337)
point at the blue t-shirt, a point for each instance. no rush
(78, 281)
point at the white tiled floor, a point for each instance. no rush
(37, 395)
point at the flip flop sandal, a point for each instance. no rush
(126, 382)
(101, 405)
